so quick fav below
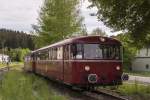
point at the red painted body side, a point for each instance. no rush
(105, 70)
(51, 69)
(74, 71)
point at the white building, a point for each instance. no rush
(4, 58)
(142, 60)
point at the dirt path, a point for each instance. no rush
(140, 79)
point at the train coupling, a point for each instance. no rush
(125, 77)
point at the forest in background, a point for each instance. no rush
(16, 44)
(15, 39)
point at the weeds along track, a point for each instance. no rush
(103, 94)
(82, 94)
(4, 69)
(99, 94)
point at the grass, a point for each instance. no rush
(17, 85)
(135, 91)
(12, 64)
(129, 89)
(2, 65)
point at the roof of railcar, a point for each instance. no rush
(72, 40)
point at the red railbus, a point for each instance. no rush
(82, 61)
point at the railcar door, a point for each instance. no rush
(66, 66)
(60, 63)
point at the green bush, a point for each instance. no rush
(130, 50)
(16, 54)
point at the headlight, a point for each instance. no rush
(87, 68)
(118, 68)
(102, 39)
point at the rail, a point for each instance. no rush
(98, 94)
(4, 69)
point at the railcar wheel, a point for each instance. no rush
(89, 88)
(115, 87)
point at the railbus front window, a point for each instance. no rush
(96, 51)
(99, 51)
(92, 51)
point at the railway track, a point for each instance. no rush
(4, 69)
(103, 95)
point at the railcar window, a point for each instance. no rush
(77, 51)
(54, 55)
(95, 51)
(37, 56)
(50, 54)
(46, 54)
(66, 52)
(33, 57)
(98, 51)
(79, 54)
(59, 53)
(92, 51)
(43, 56)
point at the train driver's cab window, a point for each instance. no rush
(77, 51)
(95, 51)
(99, 51)
(92, 51)
(111, 52)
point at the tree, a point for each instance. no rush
(130, 49)
(17, 54)
(15, 39)
(99, 32)
(58, 19)
(132, 16)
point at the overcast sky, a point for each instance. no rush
(20, 14)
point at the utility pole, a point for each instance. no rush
(85, 30)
